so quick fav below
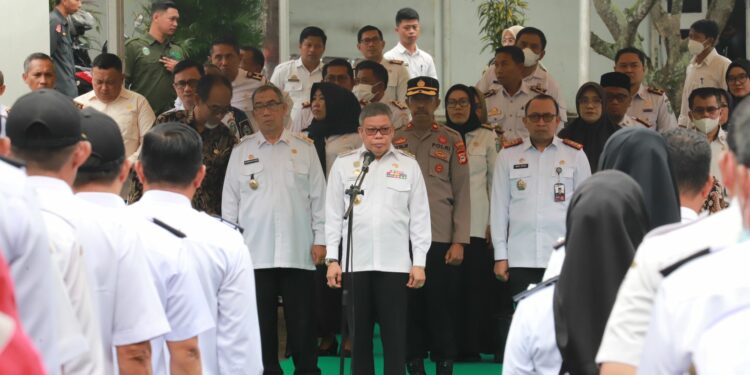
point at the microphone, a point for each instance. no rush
(369, 157)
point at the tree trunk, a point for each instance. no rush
(271, 41)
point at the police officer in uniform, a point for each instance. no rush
(370, 87)
(442, 157)
(649, 105)
(371, 44)
(61, 46)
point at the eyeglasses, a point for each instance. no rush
(457, 103)
(370, 40)
(383, 131)
(701, 110)
(620, 98)
(738, 79)
(546, 117)
(587, 101)
(270, 105)
(218, 111)
(180, 85)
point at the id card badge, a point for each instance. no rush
(559, 192)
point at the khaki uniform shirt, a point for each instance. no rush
(651, 106)
(482, 145)
(147, 76)
(398, 78)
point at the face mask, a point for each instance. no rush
(706, 125)
(363, 91)
(529, 57)
(695, 47)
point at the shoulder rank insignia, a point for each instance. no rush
(573, 144)
(642, 121)
(363, 102)
(518, 297)
(255, 76)
(489, 93)
(397, 62)
(399, 105)
(669, 269)
(512, 143)
(405, 152)
(306, 104)
(488, 127)
(538, 89)
(303, 137)
(656, 91)
(78, 105)
(169, 228)
(230, 224)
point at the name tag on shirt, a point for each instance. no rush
(250, 161)
(520, 166)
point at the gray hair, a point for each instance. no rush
(375, 109)
(690, 154)
(35, 56)
(268, 87)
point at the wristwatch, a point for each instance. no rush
(331, 260)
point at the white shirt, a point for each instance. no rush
(524, 218)
(37, 283)
(60, 213)
(711, 72)
(243, 87)
(226, 273)
(730, 335)
(419, 63)
(171, 272)
(653, 108)
(686, 305)
(482, 146)
(687, 215)
(284, 216)
(393, 212)
(628, 322)
(293, 78)
(131, 112)
(507, 111)
(628, 121)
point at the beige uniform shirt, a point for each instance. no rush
(131, 112)
(339, 144)
(482, 145)
(243, 87)
(506, 112)
(293, 78)
(652, 108)
(441, 155)
(398, 78)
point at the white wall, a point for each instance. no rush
(25, 29)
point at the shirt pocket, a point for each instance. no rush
(397, 192)
(298, 174)
(520, 180)
(439, 167)
(250, 172)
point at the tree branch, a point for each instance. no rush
(602, 47)
(719, 11)
(612, 17)
(636, 15)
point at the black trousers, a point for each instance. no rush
(327, 305)
(475, 298)
(297, 288)
(433, 309)
(520, 278)
(377, 296)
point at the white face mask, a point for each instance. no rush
(695, 47)
(363, 91)
(706, 125)
(529, 57)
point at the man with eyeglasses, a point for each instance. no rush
(370, 43)
(441, 154)
(617, 95)
(534, 179)
(214, 95)
(649, 105)
(705, 114)
(275, 189)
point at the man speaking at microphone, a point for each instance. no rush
(392, 212)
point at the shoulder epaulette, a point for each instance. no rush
(451, 131)
(573, 144)
(347, 153)
(306, 104)
(169, 228)
(488, 127)
(14, 163)
(512, 143)
(538, 89)
(399, 105)
(78, 105)
(669, 269)
(405, 153)
(230, 224)
(642, 121)
(255, 76)
(544, 284)
(489, 93)
(560, 243)
(656, 91)
(397, 62)
(303, 137)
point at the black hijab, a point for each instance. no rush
(743, 64)
(606, 221)
(473, 122)
(592, 136)
(642, 154)
(342, 116)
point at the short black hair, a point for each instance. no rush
(703, 93)
(367, 28)
(227, 40)
(339, 62)
(187, 64)
(533, 31)
(690, 155)
(269, 87)
(171, 154)
(107, 61)
(708, 28)
(378, 70)
(35, 56)
(633, 50)
(516, 54)
(208, 81)
(162, 6)
(258, 57)
(406, 14)
(312, 31)
(541, 97)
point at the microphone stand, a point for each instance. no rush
(346, 297)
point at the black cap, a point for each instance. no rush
(423, 85)
(615, 79)
(44, 119)
(107, 146)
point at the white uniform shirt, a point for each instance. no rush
(482, 146)
(718, 146)
(171, 272)
(686, 305)
(284, 216)
(653, 108)
(507, 111)
(400, 116)
(628, 121)
(226, 273)
(393, 212)
(524, 217)
(419, 63)
(730, 335)
(711, 72)
(293, 78)
(398, 78)
(243, 87)
(36, 282)
(131, 112)
(628, 322)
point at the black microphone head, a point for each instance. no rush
(369, 157)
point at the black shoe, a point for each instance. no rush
(331, 351)
(416, 367)
(444, 368)
(468, 358)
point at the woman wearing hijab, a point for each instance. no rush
(509, 35)
(642, 154)
(593, 127)
(477, 268)
(738, 83)
(333, 131)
